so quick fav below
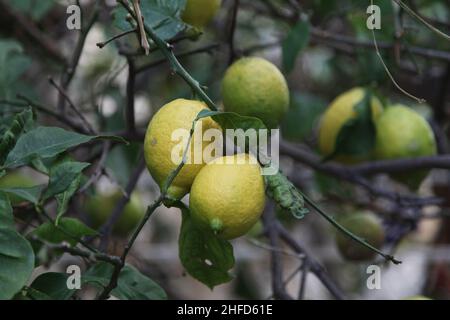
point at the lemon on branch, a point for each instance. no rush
(228, 195)
(403, 133)
(255, 87)
(159, 143)
(340, 113)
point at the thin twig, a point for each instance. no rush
(101, 45)
(233, 24)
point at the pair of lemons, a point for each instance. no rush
(227, 195)
(400, 133)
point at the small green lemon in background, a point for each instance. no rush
(337, 114)
(100, 207)
(199, 13)
(403, 133)
(228, 195)
(255, 87)
(16, 180)
(158, 144)
(365, 225)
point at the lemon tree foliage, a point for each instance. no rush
(50, 286)
(205, 256)
(296, 40)
(163, 16)
(286, 195)
(131, 285)
(16, 253)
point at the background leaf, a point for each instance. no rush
(31, 194)
(296, 40)
(69, 230)
(52, 285)
(131, 285)
(16, 262)
(6, 212)
(62, 176)
(162, 16)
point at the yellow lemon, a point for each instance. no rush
(159, 144)
(337, 114)
(228, 195)
(99, 208)
(255, 87)
(403, 133)
(199, 13)
(365, 225)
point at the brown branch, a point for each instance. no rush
(278, 287)
(233, 24)
(129, 110)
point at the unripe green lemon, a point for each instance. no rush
(228, 195)
(403, 133)
(365, 225)
(255, 87)
(338, 113)
(158, 144)
(100, 207)
(16, 180)
(199, 13)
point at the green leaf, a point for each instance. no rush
(31, 194)
(231, 120)
(305, 109)
(16, 262)
(52, 285)
(286, 195)
(46, 142)
(162, 16)
(131, 284)
(357, 136)
(6, 211)
(14, 63)
(63, 199)
(69, 230)
(62, 176)
(19, 124)
(296, 40)
(205, 257)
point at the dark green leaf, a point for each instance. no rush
(286, 195)
(69, 230)
(62, 199)
(162, 16)
(16, 262)
(296, 40)
(305, 109)
(52, 285)
(6, 212)
(31, 194)
(231, 120)
(62, 176)
(46, 142)
(205, 257)
(131, 285)
(19, 124)
(357, 135)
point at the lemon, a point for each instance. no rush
(199, 13)
(100, 207)
(16, 180)
(228, 198)
(365, 225)
(337, 114)
(158, 144)
(403, 133)
(419, 297)
(255, 87)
